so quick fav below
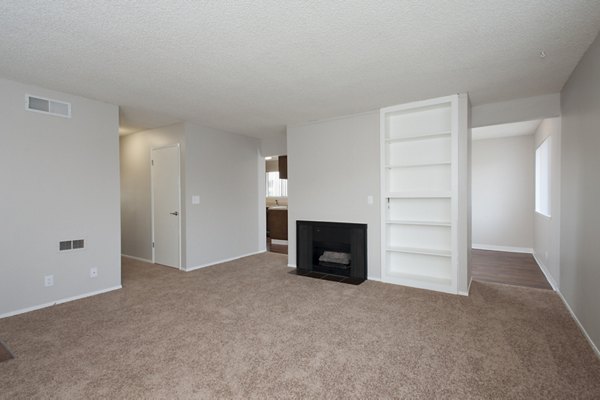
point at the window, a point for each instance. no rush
(542, 178)
(276, 187)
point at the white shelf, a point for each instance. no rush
(432, 135)
(423, 278)
(420, 167)
(416, 165)
(415, 250)
(423, 223)
(418, 195)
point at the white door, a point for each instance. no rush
(166, 201)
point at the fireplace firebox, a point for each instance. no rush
(332, 250)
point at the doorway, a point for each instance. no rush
(166, 205)
(505, 236)
(276, 203)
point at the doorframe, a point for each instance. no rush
(178, 146)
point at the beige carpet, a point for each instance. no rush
(249, 329)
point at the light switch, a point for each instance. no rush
(369, 200)
(195, 199)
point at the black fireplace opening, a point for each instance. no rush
(332, 250)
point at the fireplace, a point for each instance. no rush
(332, 251)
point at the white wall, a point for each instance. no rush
(227, 172)
(580, 192)
(136, 211)
(546, 246)
(516, 110)
(274, 145)
(333, 166)
(60, 181)
(503, 193)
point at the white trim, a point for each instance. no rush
(453, 103)
(372, 278)
(509, 249)
(546, 273)
(581, 328)
(188, 269)
(383, 201)
(292, 266)
(468, 289)
(60, 301)
(278, 241)
(178, 146)
(137, 258)
(455, 183)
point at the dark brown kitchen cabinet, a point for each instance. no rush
(277, 224)
(283, 167)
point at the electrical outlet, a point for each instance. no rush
(93, 272)
(49, 280)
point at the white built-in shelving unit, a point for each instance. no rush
(424, 224)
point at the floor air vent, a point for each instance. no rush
(48, 106)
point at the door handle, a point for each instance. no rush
(174, 213)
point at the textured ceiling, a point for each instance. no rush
(506, 130)
(251, 67)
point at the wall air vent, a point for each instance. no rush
(48, 106)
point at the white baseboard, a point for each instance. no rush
(277, 241)
(60, 301)
(292, 265)
(137, 258)
(557, 290)
(581, 328)
(509, 249)
(546, 273)
(188, 269)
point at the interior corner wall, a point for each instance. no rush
(546, 235)
(333, 166)
(262, 203)
(136, 196)
(503, 193)
(223, 170)
(60, 181)
(580, 192)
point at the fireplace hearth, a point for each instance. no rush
(334, 251)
